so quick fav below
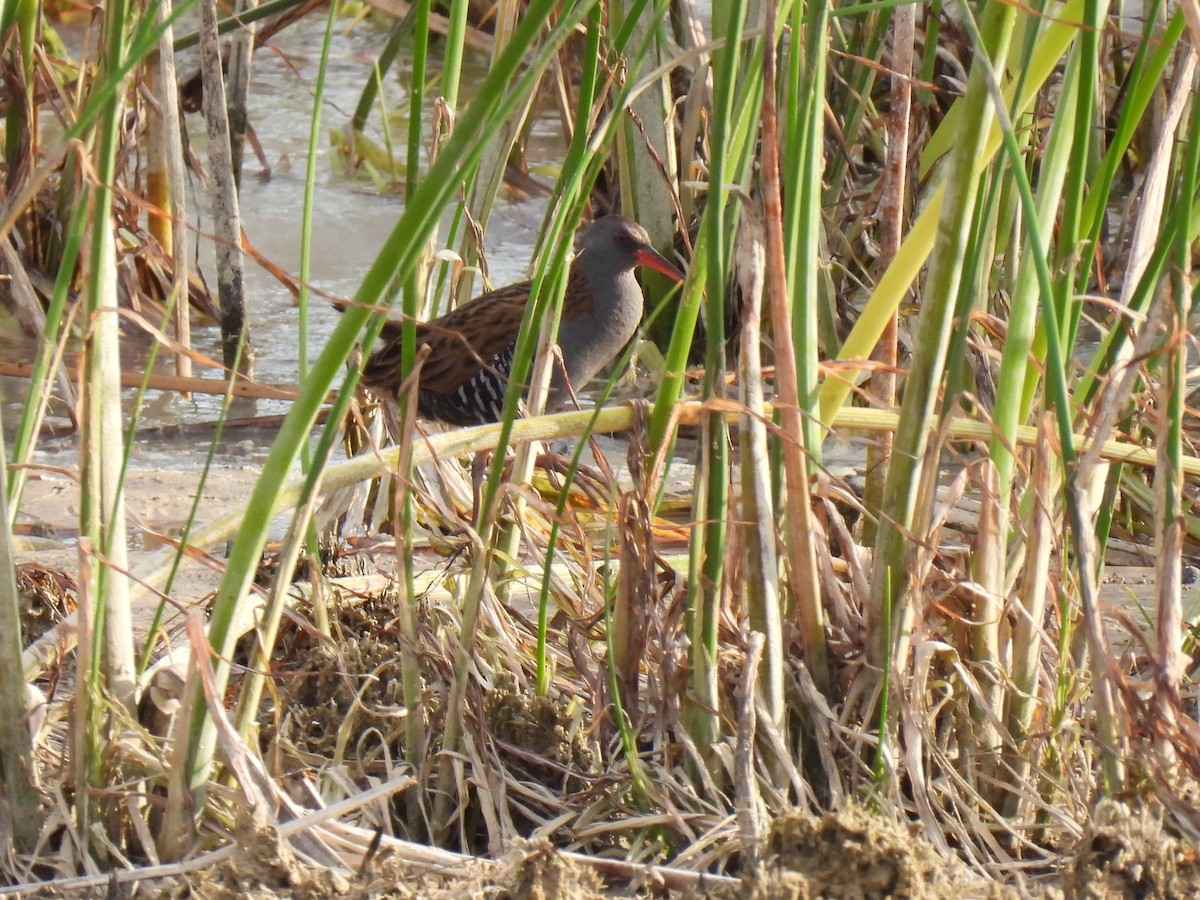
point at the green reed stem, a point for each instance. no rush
(499, 95)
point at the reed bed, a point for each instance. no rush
(687, 654)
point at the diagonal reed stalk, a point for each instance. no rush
(497, 99)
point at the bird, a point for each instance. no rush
(463, 379)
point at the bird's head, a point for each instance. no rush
(620, 245)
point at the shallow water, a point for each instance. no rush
(351, 220)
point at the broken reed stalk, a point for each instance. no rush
(760, 580)
(231, 283)
(166, 182)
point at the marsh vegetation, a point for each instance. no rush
(663, 645)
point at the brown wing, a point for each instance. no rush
(462, 341)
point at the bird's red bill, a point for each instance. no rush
(652, 259)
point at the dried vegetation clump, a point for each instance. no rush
(552, 740)
(850, 853)
(346, 688)
(540, 873)
(265, 868)
(1125, 852)
(339, 701)
(47, 597)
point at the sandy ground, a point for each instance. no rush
(159, 498)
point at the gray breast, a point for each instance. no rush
(591, 340)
